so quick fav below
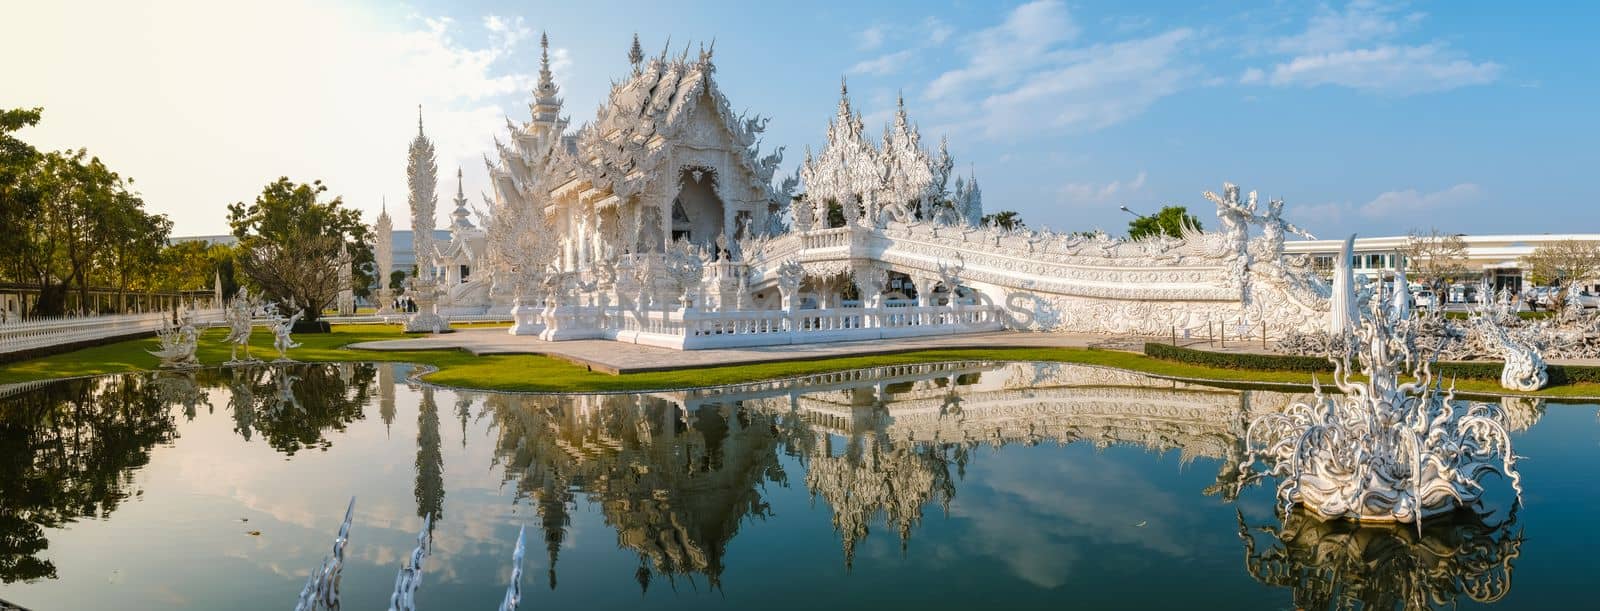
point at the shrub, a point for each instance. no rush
(1238, 360)
(1466, 370)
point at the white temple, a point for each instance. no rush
(660, 222)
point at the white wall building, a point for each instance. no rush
(1497, 257)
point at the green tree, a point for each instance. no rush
(68, 220)
(294, 246)
(1008, 220)
(135, 242)
(85, 229)
(1171, 221)
(186, 266)
(19, 199)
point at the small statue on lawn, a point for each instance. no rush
(281, 328)
(178, 344)
(240, 317)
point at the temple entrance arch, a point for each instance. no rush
(697, 211)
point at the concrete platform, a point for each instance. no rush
(618, 358)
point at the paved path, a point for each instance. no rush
(617, 357)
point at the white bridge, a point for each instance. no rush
(923, 278)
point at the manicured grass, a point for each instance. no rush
(547, 374)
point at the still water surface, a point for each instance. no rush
(967, 485)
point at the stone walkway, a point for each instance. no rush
(618, 358)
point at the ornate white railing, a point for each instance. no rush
(36, 333)
(400, 317)
(695, 329)
(838, 237)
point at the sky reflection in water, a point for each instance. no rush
(940, 486)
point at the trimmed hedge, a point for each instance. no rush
(1490, 370)
(1238, 360)
(1525, 315)
(1468, 370)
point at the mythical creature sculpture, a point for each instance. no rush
(1381, 451)
(281, 328)
(179, 342)
(1524, 368)
(1274, 231)
(240, 317)
(1235, 216)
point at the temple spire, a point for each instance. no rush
(419, 120)
(844, 101)
(547, 81)
(546, 107)
(461, 213)
(635, 53)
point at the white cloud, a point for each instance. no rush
(1314, 215)
(937, 31)
(1361, 22)
(1092, 88)
(1024, 74)
(506, 32)
(204, 104)
(871, 38)
(1093, 193)
(1398, 70)
(1410, 201)
(1358, 48)
(1002, 54)
(931, 32)
(884, 64)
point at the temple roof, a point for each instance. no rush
(644, 120)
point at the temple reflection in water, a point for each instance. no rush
(676, 475)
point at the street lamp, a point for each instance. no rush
(1124, 208)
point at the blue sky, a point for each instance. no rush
(1370, 117)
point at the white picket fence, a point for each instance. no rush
(35, 333)
(400, 318)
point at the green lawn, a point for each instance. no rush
(540, 373)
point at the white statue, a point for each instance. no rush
(179, 343)
(1274, 230)
(281, 328)
(1524, 368)
(1382, 450)
(240, 316)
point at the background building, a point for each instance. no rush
(1498, 258)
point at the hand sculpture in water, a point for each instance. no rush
(1381, 451)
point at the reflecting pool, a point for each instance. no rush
(956, 485)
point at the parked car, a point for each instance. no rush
(1423, 298)
(1588, 300)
